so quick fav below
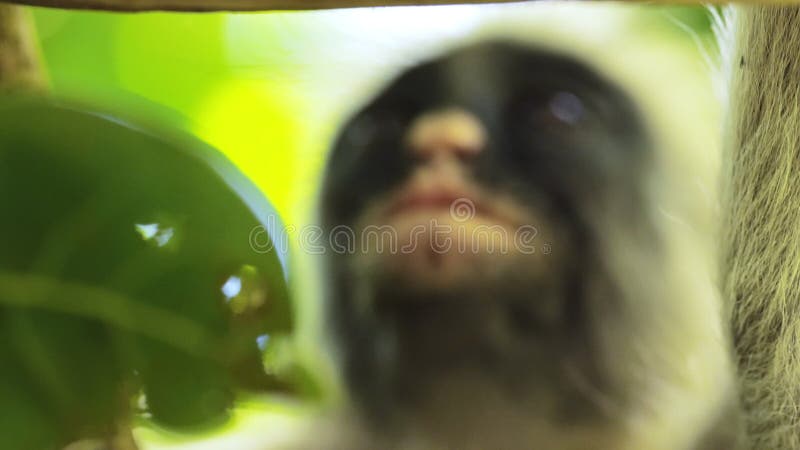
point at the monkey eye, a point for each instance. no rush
(361, 131)
(550, 111)
(566, 107)
(373, 126)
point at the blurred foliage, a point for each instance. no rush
(128, 267)
(174, 69)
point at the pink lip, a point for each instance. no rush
(415, 198)
(462, 199)
(437, 198)
(430, 199)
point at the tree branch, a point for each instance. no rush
(261, 5)
(233, 5)
(20, 67)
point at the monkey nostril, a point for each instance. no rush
(451, 131)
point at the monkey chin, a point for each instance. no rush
(435, 249)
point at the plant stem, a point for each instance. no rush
(20, 65)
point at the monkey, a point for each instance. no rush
(760, 245)
(567, 323)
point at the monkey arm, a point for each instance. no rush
(761, 258)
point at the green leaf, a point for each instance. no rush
(128, 262)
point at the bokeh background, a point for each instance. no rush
(269, 90)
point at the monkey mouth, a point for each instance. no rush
(456, 204)
(430, 199)
(442, 235)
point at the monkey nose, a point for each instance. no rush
(448, 132)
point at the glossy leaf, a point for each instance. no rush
(117, 251)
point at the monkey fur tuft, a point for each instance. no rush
(761, 258)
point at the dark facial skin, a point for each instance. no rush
(567, 150)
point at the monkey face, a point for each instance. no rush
(479, 191)
(469, 161)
